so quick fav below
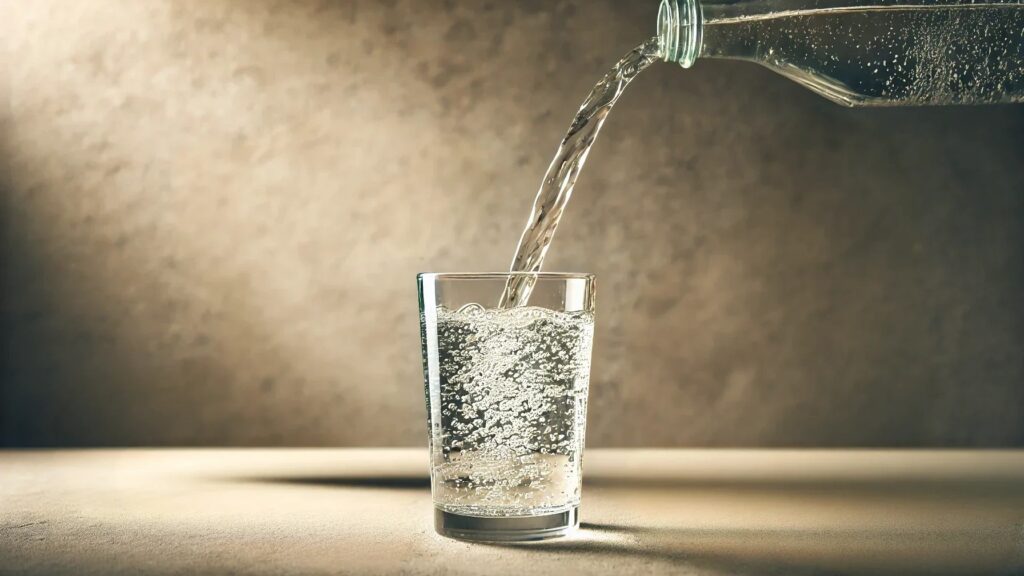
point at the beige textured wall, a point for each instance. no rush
(213, 211)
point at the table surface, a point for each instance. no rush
(368, 511)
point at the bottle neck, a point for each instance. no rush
(680, 23)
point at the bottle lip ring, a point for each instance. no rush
(679, 31)
(668, 29)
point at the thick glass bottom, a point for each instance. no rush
(518, 529)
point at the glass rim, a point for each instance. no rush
(504, 275)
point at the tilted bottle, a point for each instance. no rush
(862, 53)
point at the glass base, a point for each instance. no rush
(519, 529)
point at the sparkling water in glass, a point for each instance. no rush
(506, 392)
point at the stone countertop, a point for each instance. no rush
(368, 511)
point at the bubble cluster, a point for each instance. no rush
(512, 395)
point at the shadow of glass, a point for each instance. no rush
(382, 482)
(792, 551)
(633, 545)
(784, 542)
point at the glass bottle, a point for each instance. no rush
(862, 53)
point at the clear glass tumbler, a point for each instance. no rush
(506, 392)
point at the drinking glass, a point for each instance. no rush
(506, 393)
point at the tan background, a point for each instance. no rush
(213, 211)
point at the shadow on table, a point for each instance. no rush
(871, 550)
(339, 481)
(902, 488)
(820, 525)
(638, 546)
(817, 524)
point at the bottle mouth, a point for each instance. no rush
(679, 29)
